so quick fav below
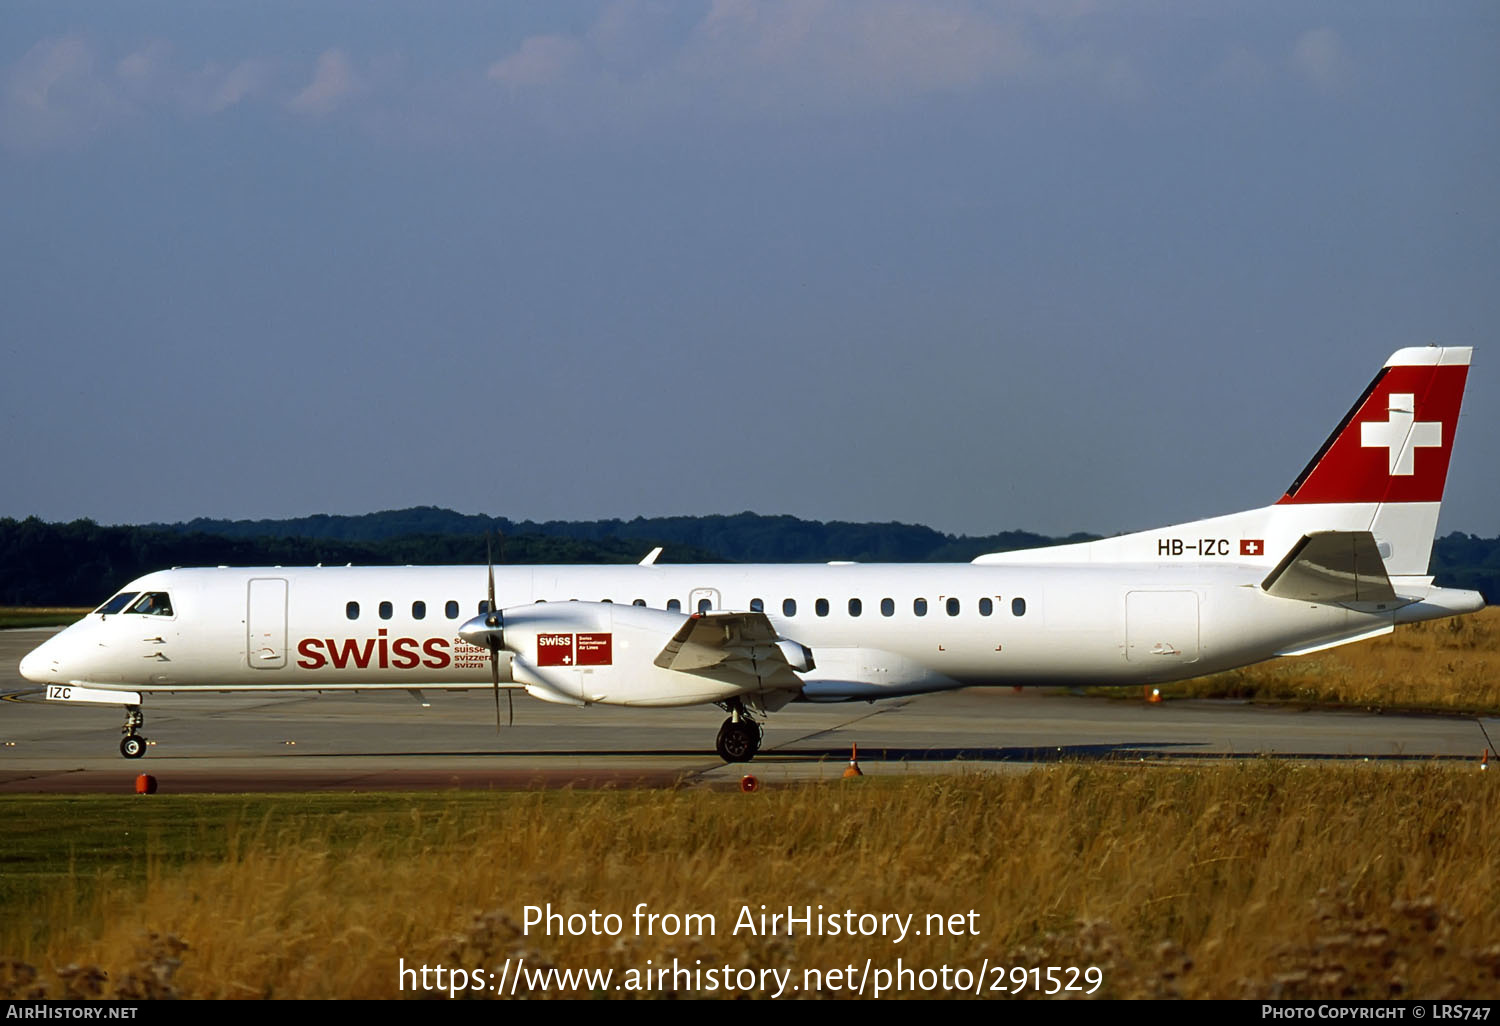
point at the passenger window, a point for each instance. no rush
(674, 605)
(788, 607)
(386, 610)
(757, 606)
(153, 603)
(419, 610)
(610, 601)
(856, 607)
(919, 606)
(953, 607)
(821, 607)
(484, 606)
(637, 602)
(117, 603)
(1018, 607)
(451, 610)
(887, 607)
(352, 610)
(986, 607)
(704, 605)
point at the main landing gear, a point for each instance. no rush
(132, 745)
(740, 736)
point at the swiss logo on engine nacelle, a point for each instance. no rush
(574, 649)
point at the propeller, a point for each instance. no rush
(492, 620)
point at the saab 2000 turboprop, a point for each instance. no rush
(1341, 557)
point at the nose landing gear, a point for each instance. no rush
(132, 745)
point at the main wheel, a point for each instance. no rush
(738, 742)
(133, 746)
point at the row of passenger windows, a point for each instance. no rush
(919, 607)
(951, 606)
(418, 610)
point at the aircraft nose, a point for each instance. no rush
(35, 665)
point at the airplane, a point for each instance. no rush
(1341, 557)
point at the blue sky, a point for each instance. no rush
(1045, 265)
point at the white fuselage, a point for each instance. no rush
(397, 627)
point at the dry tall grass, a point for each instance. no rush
(1244, 880)
(1446, 665)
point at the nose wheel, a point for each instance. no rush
(132, 745)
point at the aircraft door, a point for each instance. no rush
(265, 624)
(1161, 627)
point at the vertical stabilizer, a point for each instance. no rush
(1390, 455)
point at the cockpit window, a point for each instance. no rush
(153, 603)
(117, 603)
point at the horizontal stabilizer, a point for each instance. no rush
(1332, 567)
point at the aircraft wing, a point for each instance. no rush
(739, 648)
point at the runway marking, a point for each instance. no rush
(892, 706)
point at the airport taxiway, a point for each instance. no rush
(383, 740)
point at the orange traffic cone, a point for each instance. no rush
(1484, 762)
(853, 769)
(1153, 694)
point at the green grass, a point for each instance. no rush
(46, 840)
(26, 616)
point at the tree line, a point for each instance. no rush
(81, 563)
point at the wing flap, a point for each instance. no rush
(739, 648)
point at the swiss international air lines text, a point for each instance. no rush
(525, 974)
(574, 649)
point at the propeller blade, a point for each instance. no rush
(510, 704)
(495, 677)
(493, 619)
(489, 557)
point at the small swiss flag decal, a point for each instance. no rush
(1252, 547)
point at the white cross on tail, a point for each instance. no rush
(1402, 435)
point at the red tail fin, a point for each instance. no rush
(1394, 444)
